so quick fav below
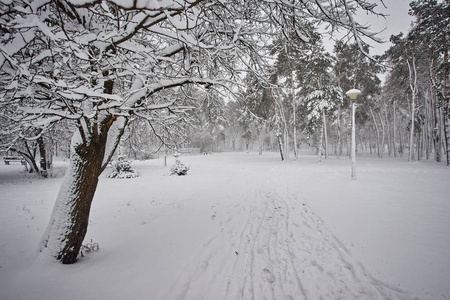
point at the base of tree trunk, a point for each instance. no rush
(67, 228)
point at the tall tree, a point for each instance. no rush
(354, 69)
(290, 51)
(100, 63)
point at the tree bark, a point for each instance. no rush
(68, 224)
(43, 155)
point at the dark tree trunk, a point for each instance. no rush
(280, 146)
(83, 189)
(43, 154)
(70, 217)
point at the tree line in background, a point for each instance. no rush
(84, 79)
(301, 102)
(417, 91)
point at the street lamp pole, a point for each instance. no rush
(163, 114)
(353, 94)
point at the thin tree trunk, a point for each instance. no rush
(377, 131)
(438, 130)
(394, 128)
(388, 130)
(411, 134)
(286, 140)
(413, 86)
(277, 124)
(436, 113)
(294, 108)
(261, 138)
(29, 159)
(428, 132)
(285, 131)
(339, 141)
(325, 133)
(280, 145)
(43, 155)
(400, 146)
(382, 136)
(320, 145)
(447, 107)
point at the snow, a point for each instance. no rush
(240, 226)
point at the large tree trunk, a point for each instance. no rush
(67, 228)
(70, 217)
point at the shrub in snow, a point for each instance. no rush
(178, 168)
(122, 169)
(89, 247)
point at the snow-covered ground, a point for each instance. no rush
(240, 226)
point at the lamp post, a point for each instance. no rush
(163, 114)
(353, 94)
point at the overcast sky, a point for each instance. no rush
(396, 21)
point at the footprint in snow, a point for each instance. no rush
(269, 276)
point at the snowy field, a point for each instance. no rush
(240, 226)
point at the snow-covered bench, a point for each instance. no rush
(8, 159)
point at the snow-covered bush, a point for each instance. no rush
(89, 247)
(178, 168)
(122, 169)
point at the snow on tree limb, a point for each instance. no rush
(102, 63)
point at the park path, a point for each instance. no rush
(271, 245)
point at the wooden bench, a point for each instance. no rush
(8, 159)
